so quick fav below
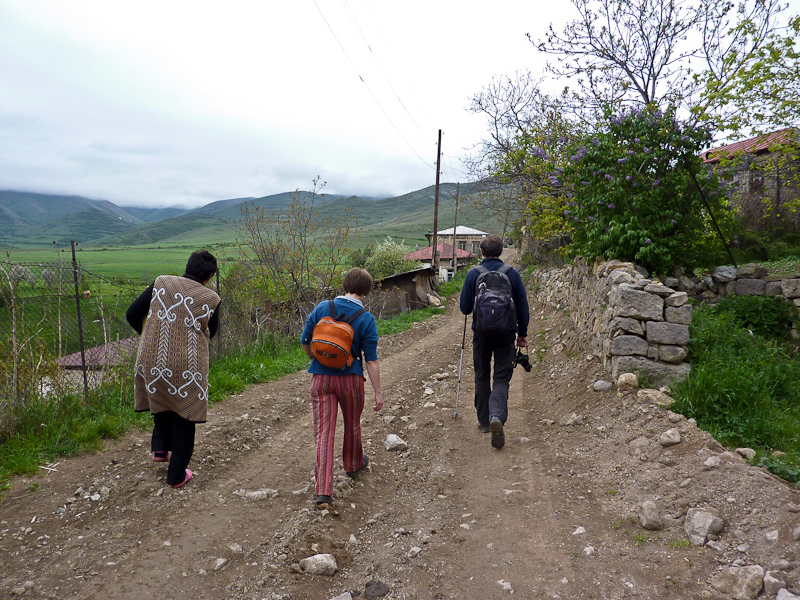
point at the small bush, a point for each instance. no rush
(763, 315)
(744, 388)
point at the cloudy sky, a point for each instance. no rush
(185, 102)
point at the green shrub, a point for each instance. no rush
(763, 315)
(744, 388)
(387, 259)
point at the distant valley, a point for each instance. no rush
(31, 220)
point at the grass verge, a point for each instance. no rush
(744, 387)
(46, 430)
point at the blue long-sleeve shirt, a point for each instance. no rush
(365, 339)
(517, 290)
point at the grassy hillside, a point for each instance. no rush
(27, 218)
(150, 215)
(100, 224)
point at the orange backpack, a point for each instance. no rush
(332, 339)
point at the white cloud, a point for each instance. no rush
(158, 103)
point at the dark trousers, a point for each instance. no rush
(491, 395)
(173, 433)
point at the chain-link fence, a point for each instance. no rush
(63, 328)
(60, 325)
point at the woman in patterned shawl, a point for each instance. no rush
(176, 317)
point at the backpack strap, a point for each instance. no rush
(347, 318)
(504, 269)
(481, 269)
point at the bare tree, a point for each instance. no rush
(651, 51)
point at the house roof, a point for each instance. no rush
(445, 251)
(754, 145)
(461, 230)
(101, 356)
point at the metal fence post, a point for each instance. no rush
(80, 324)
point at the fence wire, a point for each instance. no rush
(63, 328)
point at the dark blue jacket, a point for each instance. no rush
(517, 290)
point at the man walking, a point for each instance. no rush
(496, 294)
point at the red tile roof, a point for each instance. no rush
(752, 145)
(445, 251)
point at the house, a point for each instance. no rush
(766, 179)
(467, 238)
(445, 252)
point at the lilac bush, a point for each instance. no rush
(633, 194)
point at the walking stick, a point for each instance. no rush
(460, 362)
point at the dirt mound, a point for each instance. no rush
(554, 514)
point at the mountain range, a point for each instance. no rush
(29, 220)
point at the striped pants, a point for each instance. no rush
(328, 393)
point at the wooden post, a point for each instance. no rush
(434, 257)
(455, 225)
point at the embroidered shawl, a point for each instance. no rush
(172, 361)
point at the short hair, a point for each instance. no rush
(201, 265)
(357, 281)
(491, 246)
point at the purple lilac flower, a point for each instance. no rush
(566, 212)
(637, 140)
(647, 241)
(600, 202)
(622, 161)
(628, 178)
(591, 219)
(629, 152)
(609, 177)
(612, 206)
(673, 221)
(656, 182)
(585, 183)
(646, 150)
(596, 173)
(595, 142)
(685, 138)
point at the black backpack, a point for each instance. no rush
(494, 310)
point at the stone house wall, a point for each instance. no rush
(637, 324)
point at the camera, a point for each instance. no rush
(523, 360)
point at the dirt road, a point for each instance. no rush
(554, 514)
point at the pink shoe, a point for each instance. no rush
(161, 456)
(188, 477)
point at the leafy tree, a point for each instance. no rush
(762, 94)
(646, 52)
(516, 164)
(635, 192)
(387, 259)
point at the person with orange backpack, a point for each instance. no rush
(336, 335)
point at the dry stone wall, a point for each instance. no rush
(641, 325)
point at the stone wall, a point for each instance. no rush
(641, 325)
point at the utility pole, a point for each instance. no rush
(434, 257)
(455, 226)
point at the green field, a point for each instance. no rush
(136, 264)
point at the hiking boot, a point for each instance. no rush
(484, 428)
(498, 437)
(323, 499)
(363, 466)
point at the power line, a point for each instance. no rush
(375, 58)
(388, 118)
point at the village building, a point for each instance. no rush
(765, 174)
(467, 238)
